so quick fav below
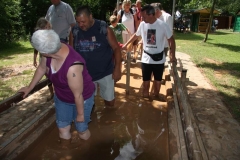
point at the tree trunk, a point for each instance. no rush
(210, 21)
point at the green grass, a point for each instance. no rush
(219, 59)
(16, 54)
(15, 68)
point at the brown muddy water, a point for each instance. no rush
(131, 132)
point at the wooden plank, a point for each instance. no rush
(9, 102)
(41, 121)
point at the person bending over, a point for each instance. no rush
(74, 89)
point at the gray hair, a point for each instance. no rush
(46, 41)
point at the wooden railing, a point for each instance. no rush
(10, 101)
(194, 145)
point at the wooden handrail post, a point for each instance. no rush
(193, 147)
(183, 76)
(128, 72)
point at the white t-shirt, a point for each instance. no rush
(127, 21)
(165, 17)
(178, 14)
(153, 36)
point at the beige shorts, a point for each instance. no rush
(106, 86)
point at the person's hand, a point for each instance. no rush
(25, 91)
(124, 47)
(35, 64)
(80, 118)
(117, 74)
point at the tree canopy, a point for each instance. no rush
(18, 17)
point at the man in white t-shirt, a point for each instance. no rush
(164, 16)
(153, 32)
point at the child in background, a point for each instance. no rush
(117, 29)
(42, 23)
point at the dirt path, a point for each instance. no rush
(220, 132)
(9, 72)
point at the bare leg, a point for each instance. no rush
(64, 133)
(65, 137)
(109, 103)
(146, 86)
(157, 86)
(85, 135)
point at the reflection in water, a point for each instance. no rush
(145, 130)
(133, 131)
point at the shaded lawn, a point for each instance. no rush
(219, 59)
(16, 69)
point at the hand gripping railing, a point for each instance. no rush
(10, 101)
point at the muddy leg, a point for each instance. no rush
(85, 135)
(157, 86)
(146, 86)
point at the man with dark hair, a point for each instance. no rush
(153, 32)
(96, 42)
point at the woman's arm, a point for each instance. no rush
(39, 73)
(75, 83)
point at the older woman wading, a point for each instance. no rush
(74, 89)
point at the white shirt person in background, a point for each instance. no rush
(165, 17)
(128, 19)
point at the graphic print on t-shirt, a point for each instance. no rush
(151, 36)
(87, 45)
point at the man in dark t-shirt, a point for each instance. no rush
(97, 44)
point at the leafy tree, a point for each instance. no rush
(229, 7)
(32, 10)
(11, 23)
(19, 17)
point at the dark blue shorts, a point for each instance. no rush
(155, 69)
